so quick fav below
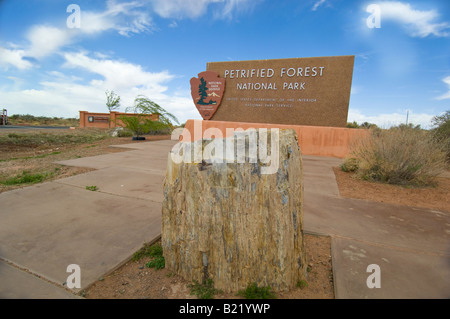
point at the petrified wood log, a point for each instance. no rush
(234, 222)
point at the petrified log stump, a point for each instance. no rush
(234, 222)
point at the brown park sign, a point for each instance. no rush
(298, 91)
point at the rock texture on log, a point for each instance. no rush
(230, 223)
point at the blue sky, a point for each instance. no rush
(154, 47)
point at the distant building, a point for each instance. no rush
(108, 120)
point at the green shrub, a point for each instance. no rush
(203, 291)
(401, 155)
(155, 251)
(125, 133)
(146, 250)
(141, 124)
(352, 124)
(441, 131)
(138, 125)
(26, 178)
(254, 292)
(302, 284)
(157, 263)
(365, 125)
(350, 165)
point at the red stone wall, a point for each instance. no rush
(313, 140)
(107, 120)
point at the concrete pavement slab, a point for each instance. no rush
(49, 226)
(140, 159)
(19, 284)
(318, 175)
(122, 181)
(402, 226)
(148, 156)
(146, 145)
(403, 273)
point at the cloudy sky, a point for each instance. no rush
(54, 64)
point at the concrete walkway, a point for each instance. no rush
(46, 227)
(410, 245)
(49, 226)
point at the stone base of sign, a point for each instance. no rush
(231, 223)
(313, 140)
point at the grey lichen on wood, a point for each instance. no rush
(229, 222)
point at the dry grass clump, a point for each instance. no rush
(31, 139)
(400, 155)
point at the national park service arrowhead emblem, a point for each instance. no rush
(207, 92)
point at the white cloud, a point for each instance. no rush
(45, 40)
(126, 18)
(182, 107)
(195, 8)
(118, 74)
(95, 22)
(234, 5)
(180, 8)
(47, 102)
(13, 57)
(355, 89)
(65, 96)
(418, 23)
(387, 120)
(317, 5)
(445, 95)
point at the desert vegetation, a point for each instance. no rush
(32, 139)
(441, 131)
(144, 106)
(141, 124)
(404, 155)
(27, 119)
(365, 125)
(29, 156)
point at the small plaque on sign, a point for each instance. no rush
(101, 119)
(207, 92)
